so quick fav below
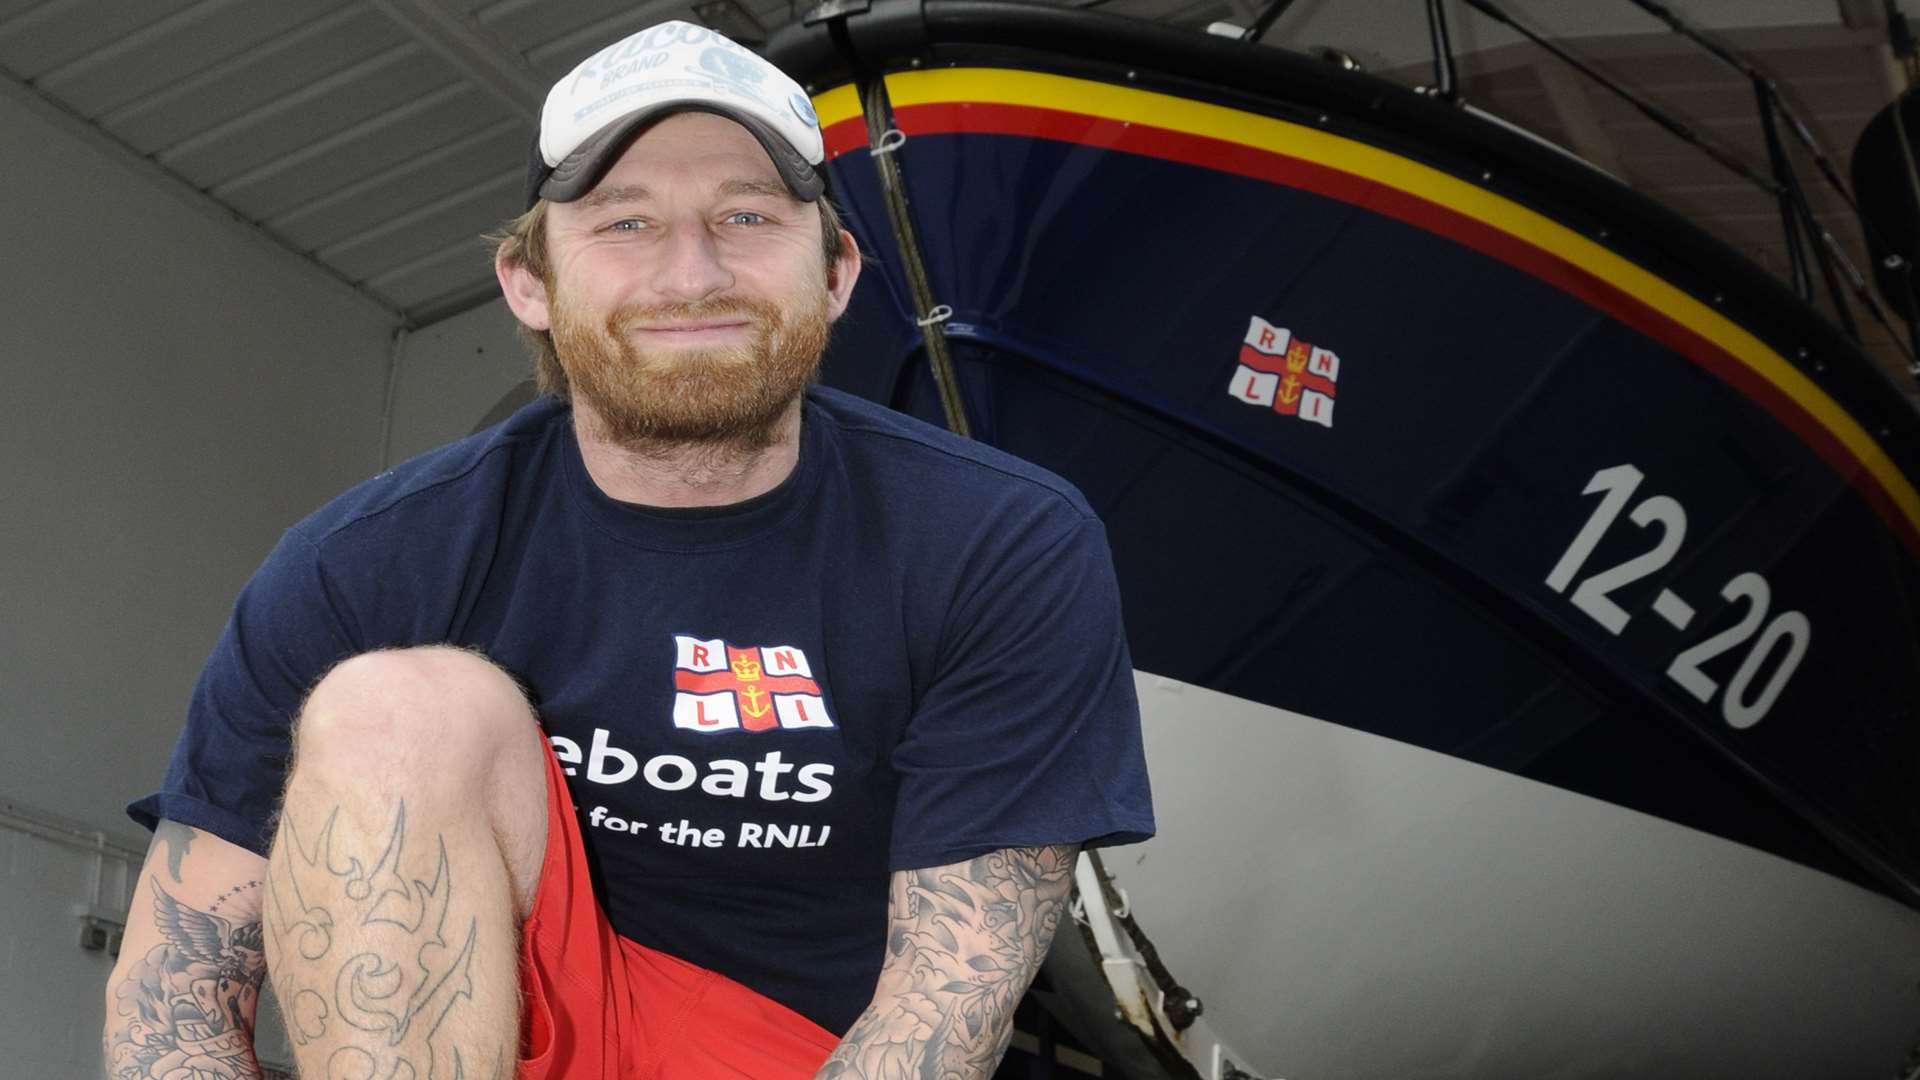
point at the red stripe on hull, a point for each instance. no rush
(1041, 123)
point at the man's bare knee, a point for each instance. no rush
(434, 712)
(441, 730)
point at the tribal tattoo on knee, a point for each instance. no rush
(187, 1006)
(971, 936)
(366, 954)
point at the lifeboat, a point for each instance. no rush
(1523, 586)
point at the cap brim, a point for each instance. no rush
(576, 175)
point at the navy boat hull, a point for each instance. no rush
(1404, 423)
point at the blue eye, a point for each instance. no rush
(745, 217)
(626, 225)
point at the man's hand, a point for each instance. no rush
(964, 942)
(180, 1001)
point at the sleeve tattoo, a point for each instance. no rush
(179, 841)
(186, 1008)
(963, 944)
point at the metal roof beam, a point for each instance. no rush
(478, 53)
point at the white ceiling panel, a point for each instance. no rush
(9, 9)
(456, 276)
(556, 54)
(320, 166)
(402, 186)
(442, 223)
(325, 107)
(45, 37)
(199, 100)
(574, 29)
(192, 39)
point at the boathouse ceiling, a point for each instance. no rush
(376, 139)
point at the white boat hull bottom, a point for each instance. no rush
(1348, 906)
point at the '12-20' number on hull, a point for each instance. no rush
(1740, 706)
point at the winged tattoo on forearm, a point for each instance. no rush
(186, 1007)
(963, 944)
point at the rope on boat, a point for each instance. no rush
(884, 143)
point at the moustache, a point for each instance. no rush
(763, 316)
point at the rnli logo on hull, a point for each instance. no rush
(723, 687)
(1279, 371)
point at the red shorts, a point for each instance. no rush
(600, 1007)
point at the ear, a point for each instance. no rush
(841, 276)
(526, 294)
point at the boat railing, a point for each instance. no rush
(1811, 248)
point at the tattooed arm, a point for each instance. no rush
(181, 998)
(963, 943)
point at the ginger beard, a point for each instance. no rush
(731, 397)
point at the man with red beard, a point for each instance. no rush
(694, 722)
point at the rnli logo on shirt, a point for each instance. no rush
(1279, 371)
(723, 687)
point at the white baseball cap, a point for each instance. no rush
(675, 66)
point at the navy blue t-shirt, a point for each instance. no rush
(907, 654)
